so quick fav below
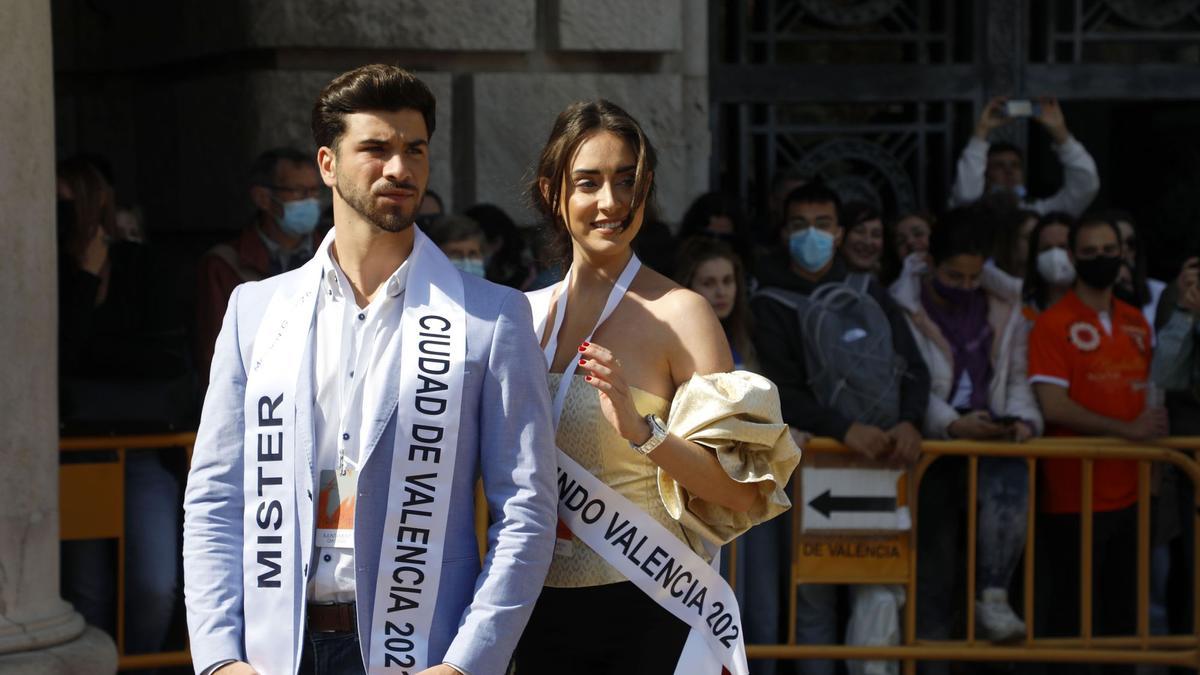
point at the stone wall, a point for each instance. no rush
(181, 96)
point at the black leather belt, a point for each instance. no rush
(335, 618)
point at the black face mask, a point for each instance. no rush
(1099, 272)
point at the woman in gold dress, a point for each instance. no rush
(653, 411)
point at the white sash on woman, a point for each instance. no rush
(637, 545)
(432, 358)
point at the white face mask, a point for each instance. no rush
(1054, 265)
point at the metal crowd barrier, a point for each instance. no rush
(91, 499)
(1139, 648)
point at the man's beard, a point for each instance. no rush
(387, 218)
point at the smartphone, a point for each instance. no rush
(1022, 107)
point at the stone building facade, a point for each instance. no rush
(181, 96)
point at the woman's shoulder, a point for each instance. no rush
(665, 298)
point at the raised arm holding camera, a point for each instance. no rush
(986, 167)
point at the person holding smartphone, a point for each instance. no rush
(974, 343)
(986, 167)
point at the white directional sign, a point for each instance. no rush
(852, 499)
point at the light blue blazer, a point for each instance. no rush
(505, 436)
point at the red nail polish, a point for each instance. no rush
(583, 362)
(587, 378)
(586, 344)
(582, 348)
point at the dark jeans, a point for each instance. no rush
(613, 629)
(1003, 503)
(331, 654)
(1114, 569)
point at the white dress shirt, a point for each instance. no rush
(348, 342)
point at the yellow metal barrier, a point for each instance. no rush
(91, 503)
(1141, 648)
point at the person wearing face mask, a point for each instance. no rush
(987, 167)
(285, 191)
(1089, 363)
(1049, 272)
(804, 267)
(461, 239)
(974, 343)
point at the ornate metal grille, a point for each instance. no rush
(1116, 31)
(866, 94)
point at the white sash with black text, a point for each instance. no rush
(432, 359)
(637, 545)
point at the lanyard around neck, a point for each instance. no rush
(560, 313)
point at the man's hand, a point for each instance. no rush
(871, 442)
(1152, 423)
(1022, 431)
(993, 117)
(976, 426)
(235, 668)
(1051, 117)
(440, 669)
(906, 441)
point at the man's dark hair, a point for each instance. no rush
(1004, 146)
(375, 87)
(453, 227)
(958, 233)
(430, 194)
(814, 192)
(1092, 219)
(262, 170)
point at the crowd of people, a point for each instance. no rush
(1001, 317)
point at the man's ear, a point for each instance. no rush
(327, 163)
(837, 236)
(260, 195)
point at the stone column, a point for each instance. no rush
(39, 632)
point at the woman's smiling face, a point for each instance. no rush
(599, 192)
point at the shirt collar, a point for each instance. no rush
(337, 286)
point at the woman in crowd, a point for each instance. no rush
(1049, 272)
(712, 269)
(110, 378)
(905, 257)
(715, 466)
(862, 247)
(1134, 286)
(718, 215)
(974, 343)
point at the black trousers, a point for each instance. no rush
(1114, 575)
(613, 629)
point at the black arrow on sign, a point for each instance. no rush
(825, 504)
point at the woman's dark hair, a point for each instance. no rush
(578, 122)
(717, 204)
(373, 87)
(958, 233)
(1035, 289)
(696, 251)
(94, 201)
(857, 213)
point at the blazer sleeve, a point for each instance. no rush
(518, 463)
(213, 505)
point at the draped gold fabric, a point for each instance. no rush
(737, 415)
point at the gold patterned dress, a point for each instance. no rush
(736, 415)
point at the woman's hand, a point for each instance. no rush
(603, 371)
(977, 425)
(1022, 431)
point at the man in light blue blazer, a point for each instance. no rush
(294, 502)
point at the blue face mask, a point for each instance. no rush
(811, 248)
(300, 217)
(469, 265)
